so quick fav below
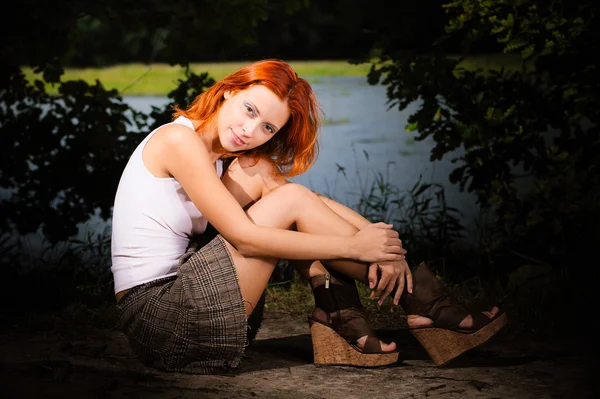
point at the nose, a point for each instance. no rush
(250, 126)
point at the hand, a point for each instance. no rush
(377, 242)
(393, 275)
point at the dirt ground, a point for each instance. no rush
(97, 363)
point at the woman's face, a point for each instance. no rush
(250, 117)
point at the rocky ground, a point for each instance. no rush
(97, 363)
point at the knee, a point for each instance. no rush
(294, 191)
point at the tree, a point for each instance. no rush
(61, 156)
(536, 123)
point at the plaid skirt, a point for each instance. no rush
(194, 322)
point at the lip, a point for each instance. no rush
(236, 139)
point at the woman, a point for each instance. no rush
(185, 308)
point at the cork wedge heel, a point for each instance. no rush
(443, 345)
(337, 323)
(444, 340)
(330, 349)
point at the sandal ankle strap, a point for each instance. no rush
(339, 301)
(431, 299)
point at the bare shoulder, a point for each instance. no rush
(175, 140)
(177, 134)
(173, 144)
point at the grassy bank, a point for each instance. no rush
(160, 79)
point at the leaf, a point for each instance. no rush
(422, 189)
(411, 127)
(527, 52)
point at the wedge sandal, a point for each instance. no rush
(444, 340)
(336, 324)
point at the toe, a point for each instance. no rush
(384, 347)
(388, 347)
(492, 313)
(467, 322)
(415, 321)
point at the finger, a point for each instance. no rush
(393, 234)
(409, 281)
(375, 271)
(399, 290)
(388, 289)
(372, 275)
(390, 258)
(382, 225)
(396, 249)
(394, 240)
(383, 282)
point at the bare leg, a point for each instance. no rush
(287, 207)
(241, 179)
(310, 269)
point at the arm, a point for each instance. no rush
(384, 277)
(185, 157)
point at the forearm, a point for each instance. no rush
(353, 217)
(288, 244)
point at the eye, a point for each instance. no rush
(270, 129)
(249, 109)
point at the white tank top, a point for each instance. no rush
(153, 220)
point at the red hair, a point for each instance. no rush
(295, 147)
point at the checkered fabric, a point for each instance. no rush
(194, 322)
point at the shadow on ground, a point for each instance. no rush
(97, 363)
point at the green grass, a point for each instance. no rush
(297, 300)
(160, 79)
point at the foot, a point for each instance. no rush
(415, 321)
(360, 342)
(384, 347)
